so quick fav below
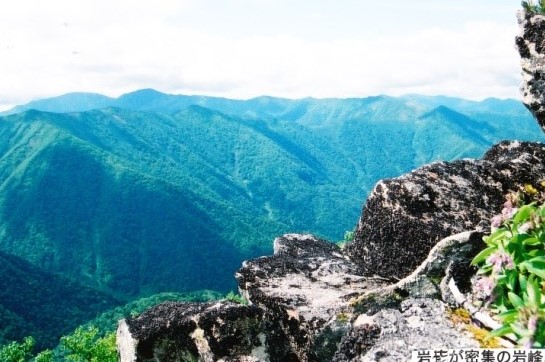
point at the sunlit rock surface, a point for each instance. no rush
(405, 217)
(531, 47)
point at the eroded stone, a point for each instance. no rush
(531, 46)
(405, 217)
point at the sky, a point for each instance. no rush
(247, 48)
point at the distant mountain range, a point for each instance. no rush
(151, 192)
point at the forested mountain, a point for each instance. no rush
(151, 192)
(44, 305)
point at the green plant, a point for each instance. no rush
(86, 345)
(44, 356)
(512, 268)
(236, 298)
(533, 8)
(349, 236)
(17, 352)
(343, 317)
(347, 239)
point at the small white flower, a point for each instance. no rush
(524, 228)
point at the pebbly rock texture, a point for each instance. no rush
(531, 46)
(309, 303)
(306, 287)
(417, 324)
(300, 310)
(405, 217)
(312, 301)
(175, 331)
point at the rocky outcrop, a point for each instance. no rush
(306, 287)
(176, 331)
(382, 296)
(405, 217)
(309, 302)
(531, 46)
(313, 301)
(417, 323)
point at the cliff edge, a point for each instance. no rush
(383, 295)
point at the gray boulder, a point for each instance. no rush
(405, 217)
(531, 46)
(306, 287)
(417, 324)
(175, 331)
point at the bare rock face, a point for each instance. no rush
(305, 287)
(175, 331)
(299, 311)
(405, 217)
(531, 46)
(309, 303)
(418, 322)
(392, 334)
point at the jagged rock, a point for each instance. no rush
(531, 46)
(418, 324)
(300, 310)
(175, 331)
(306, 287)
(405, 217)
(357, 342)
(449, 259)
(310, 301)
(309, 304)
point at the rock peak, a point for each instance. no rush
(530, 44)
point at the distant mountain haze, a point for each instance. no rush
(151, 192)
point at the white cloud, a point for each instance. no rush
(50, 48)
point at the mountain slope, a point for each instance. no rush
(136, 203)
(44, 305)
(155, 192)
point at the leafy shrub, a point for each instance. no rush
(22, 352)
(44, 356)
(86, 345)
(236, 298)
(512, 267)
(17, 352)
(349, 236)
(532, 8)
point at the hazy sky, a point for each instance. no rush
(247, 48)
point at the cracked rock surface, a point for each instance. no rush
(312, 301)
(306, 287)
(531, 46)
(175, 331)
(417, 323)
(405, 217)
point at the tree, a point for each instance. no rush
(86, 345)
(17, 352)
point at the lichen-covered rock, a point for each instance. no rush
(312, 301)
(418, 324)
(531, 46)
(357, 342)
(306, 287)
(405, 217)
(309, 304)
(449, 259)
(175, 331)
